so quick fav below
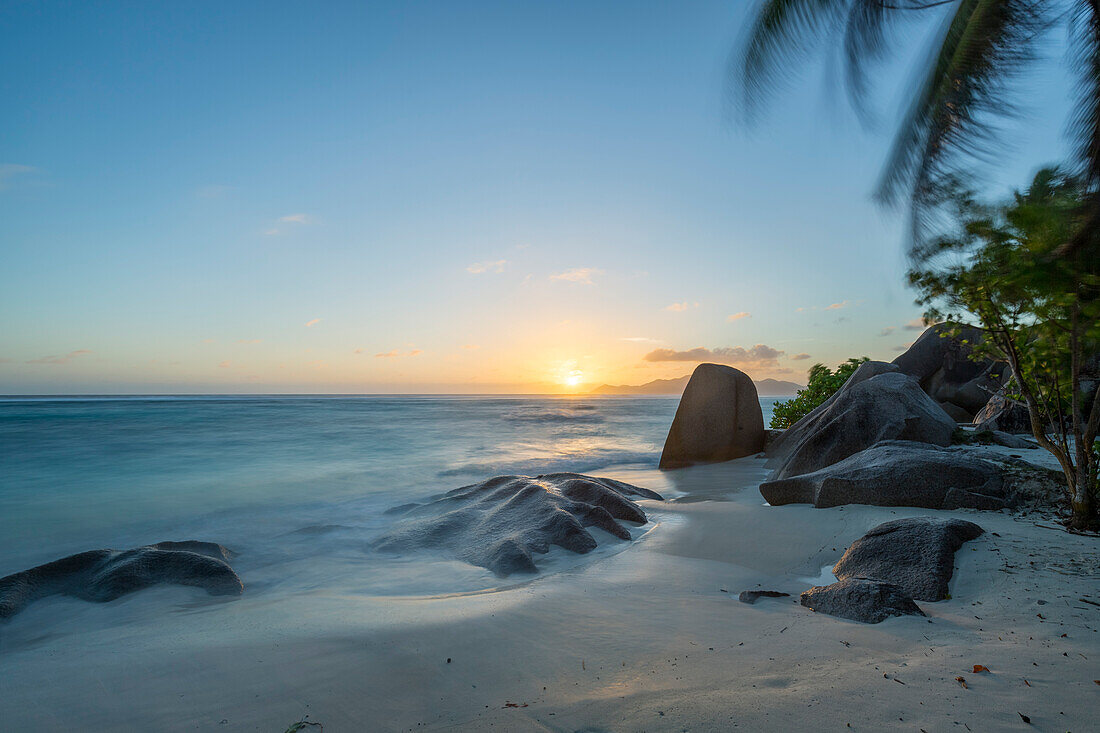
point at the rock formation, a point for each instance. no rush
(718, 419)
(916, 554)
(860, 599)
(104, 575)
(943, 366)
(897, 473)
(783, 442)
(1001, 413)
(498, 524)
(884, 406)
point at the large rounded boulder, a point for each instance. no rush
(865, 411)
(718, 419)
(940, 359)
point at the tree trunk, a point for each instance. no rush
(1084, 513)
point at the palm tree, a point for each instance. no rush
(979, 49)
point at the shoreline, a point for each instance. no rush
(637, 640)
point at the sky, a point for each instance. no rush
(473, 197)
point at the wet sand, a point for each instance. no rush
(649, 638)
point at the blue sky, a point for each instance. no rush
(435, 196)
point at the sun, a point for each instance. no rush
(574, 378)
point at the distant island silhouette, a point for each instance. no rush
(764, 387)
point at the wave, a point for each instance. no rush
(539, 414)
(592, 460)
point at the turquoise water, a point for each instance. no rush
(80, 473)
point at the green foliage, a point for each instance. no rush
(1040, 312)
(823, 384)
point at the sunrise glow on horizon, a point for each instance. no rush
(426, 200)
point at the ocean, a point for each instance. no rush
(252, 471)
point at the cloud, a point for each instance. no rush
(224, 365)
(903, 347)
(55, 359)
(288, 219)
(887, 331)
(739, 316)
(470, 347)
(799, 357)
(640, 339)
(581, 275)
(479, 268)
(837, 306)
(248, 341)
(681, 307)
(8, 171)
(314, 322)
(760, 355)
(917, 324)
(394, 354)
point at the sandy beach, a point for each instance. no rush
(648, 638)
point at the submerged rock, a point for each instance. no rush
(916, 554)
(898, 473)
(866, 410)
(752, 596)
(104, 575)
(498, 524)
(860, 599)
(718, 419)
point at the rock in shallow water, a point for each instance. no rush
(916, 554)
(499, 523)
(860, 599)
(104, 575)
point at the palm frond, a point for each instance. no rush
(980, 48)
(1084, 125)
(781, 39)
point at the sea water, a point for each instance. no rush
(283, 476)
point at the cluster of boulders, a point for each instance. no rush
(887, 438)
(975, 391)
(501, 523)
(886, 571)
(104, 575)
(882, 440)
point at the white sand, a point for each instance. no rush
(644, 639)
